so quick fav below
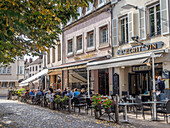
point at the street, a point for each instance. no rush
(14, 114)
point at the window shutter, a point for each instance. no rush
(114, 1)
(115, 32)
(130, 26)
(164, 17)
(142, 24)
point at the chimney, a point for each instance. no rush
(30, 60)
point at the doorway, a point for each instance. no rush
(139, 83)
(103, 81)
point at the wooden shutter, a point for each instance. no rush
(115, 32)
(142, 24)
(114, 1)
(164, 17)
(130, 26)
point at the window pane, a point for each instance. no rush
(158, 20)
(69, 46)
(122, 31)
(90, 39)
(127, 30)
(79, 43)
(152, 21)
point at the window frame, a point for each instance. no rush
(155, 20)
(70, 53)
(101, 4)
(79, 51)
(94, 40)
(106, 44)
(91, 8)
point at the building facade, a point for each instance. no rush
(112, 45)
(11, 75)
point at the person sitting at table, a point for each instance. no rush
(64, 92)
(31, 94)
(82, 93)
(76, 93)
(69, 93)
(40, 92)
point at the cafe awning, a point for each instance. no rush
(36, 76)
(129, 60)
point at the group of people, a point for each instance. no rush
(52, 93)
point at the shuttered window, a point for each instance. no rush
(115, 32)
(130, 26)
(142, 24)
(164, 16)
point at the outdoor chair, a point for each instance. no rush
(165, 111)
(89, 105)
(77, 104)
(140, 107)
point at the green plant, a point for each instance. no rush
(57, 99)
(96, 100)
(108, 103)
(21, 91)
(64, 99)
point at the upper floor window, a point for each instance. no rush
(154, 20)
(59, 52)
(101, 2)
(90, 39)
(20, 58)
(103, 31)
(36, 68)
(70, 46)
(124, 30)
(79, 43)
(33, 68)
(79, 10)
(89, 8)
(20, 70)
(5, 70)
(4, 84)
(30, 69)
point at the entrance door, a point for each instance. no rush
(103, 82)
(138, 83)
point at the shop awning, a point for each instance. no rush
(36, 76)
(23, 84)
(120, 61)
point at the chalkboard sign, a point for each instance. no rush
(115, 84)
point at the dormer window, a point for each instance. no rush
(79, 10)
(101, 2)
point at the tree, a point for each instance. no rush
(32, 26)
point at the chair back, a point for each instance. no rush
(138, 101)
(76, 101)
(168, 106)
(88, 101)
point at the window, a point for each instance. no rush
(36, 68)
(33, 68)
(70, 46)
(4, 84)
(0, 70)
(40, 66)
(101, 3)
(30, 69)
(20, 58)
(9, 70)
(20, 70)
(124, 30)
(89, 8)
(79, 43)
(12, 84)
(90, 39)
(103, 34)
(154, 20)
(79, 10)
(30, 75)
(4, 70)
(53, 50)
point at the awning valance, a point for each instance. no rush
(42, 73)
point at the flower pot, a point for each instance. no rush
(98, 108)
(108, 110)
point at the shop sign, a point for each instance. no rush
(141, 48)
(86, 56)
(141, 68)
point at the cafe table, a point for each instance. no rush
(125, 112)
(153, 118)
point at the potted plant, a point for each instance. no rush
(57, 100)
(96, 104)
(107, 105)
(64, 101)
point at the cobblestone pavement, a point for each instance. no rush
(14, 114)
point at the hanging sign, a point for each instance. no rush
(141, 48)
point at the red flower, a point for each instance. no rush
(104, 104)
(99, 94)
(114, 102)
(90, 97)
(104, 101)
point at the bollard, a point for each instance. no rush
(117, 110)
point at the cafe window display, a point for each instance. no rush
(77, 78)
(140, 80)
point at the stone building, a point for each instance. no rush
(11, 75)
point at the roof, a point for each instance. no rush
(37, 61)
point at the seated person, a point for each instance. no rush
(40, 93)
(69, 93)
(76, 93)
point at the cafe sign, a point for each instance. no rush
(141, 48)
